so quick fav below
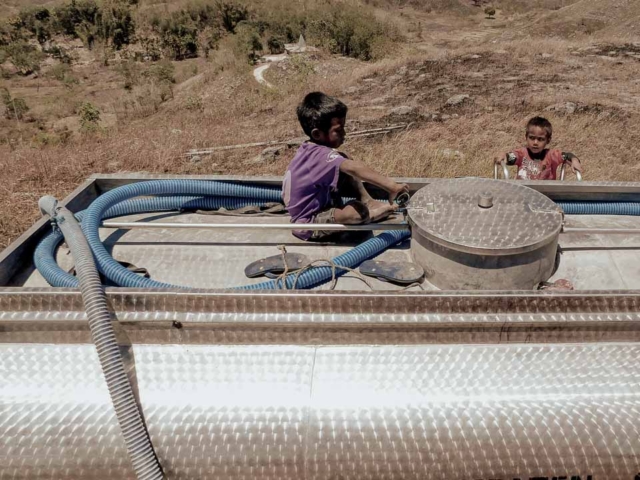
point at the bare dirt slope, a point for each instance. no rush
(618, 19)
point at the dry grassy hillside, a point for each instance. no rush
(502, 70)
(618, 19)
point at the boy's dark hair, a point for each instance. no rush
(542, 123)
(317, 110)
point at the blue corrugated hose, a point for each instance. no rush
(182, 194)
(178, 194)
(600, 208)
(44, 256)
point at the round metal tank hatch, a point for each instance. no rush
(481, 234)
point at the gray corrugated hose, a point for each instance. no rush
(136, 437)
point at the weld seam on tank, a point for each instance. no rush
(143, 458)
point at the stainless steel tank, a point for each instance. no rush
(480, 234)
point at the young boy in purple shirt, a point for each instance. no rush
(315, 178)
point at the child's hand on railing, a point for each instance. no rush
(576, 166)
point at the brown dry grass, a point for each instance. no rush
(9, 8)
(506, 76)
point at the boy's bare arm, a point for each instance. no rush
(363, 173)
(573, 161)
(357, 185)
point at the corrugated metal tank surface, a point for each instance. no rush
(331, 385)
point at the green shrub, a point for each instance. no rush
(194, 102)
(247, 42)
(163, 72)
(112, 23)
(89, 117)
(302, 66)
(42, 139)
(349, 31)
(59, 71)
(60, 136)
(151, 49)
(8, 33)
(209, 39)
(203, 14)
(117, 25)
(89, 33)
(179, 35)
(130, 72)
(62, 73)
(232, 14)
(25, 57)
(77, 17)
(155, 84)
(283, 22)
(58, 53)
(37, 21)
(14, 108)
(275, 45)
(70, 81)
(197, 28)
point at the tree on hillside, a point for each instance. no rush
(14, 108)
(38, 21)
(117, 24)
(79, 19)
(25, 57)
(179, 35)
(247, 42)
(231, 14)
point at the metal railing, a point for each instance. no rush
(505, 171)
(562, 169)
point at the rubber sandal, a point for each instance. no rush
(275, 265)
(403, 273)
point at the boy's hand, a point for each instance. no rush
(576, 165)
(396, 190)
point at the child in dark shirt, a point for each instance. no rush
(315, 177)
(536, 161)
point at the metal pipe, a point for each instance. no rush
(334, 227)
(562, 169)
(377, 227)
(505, 171)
